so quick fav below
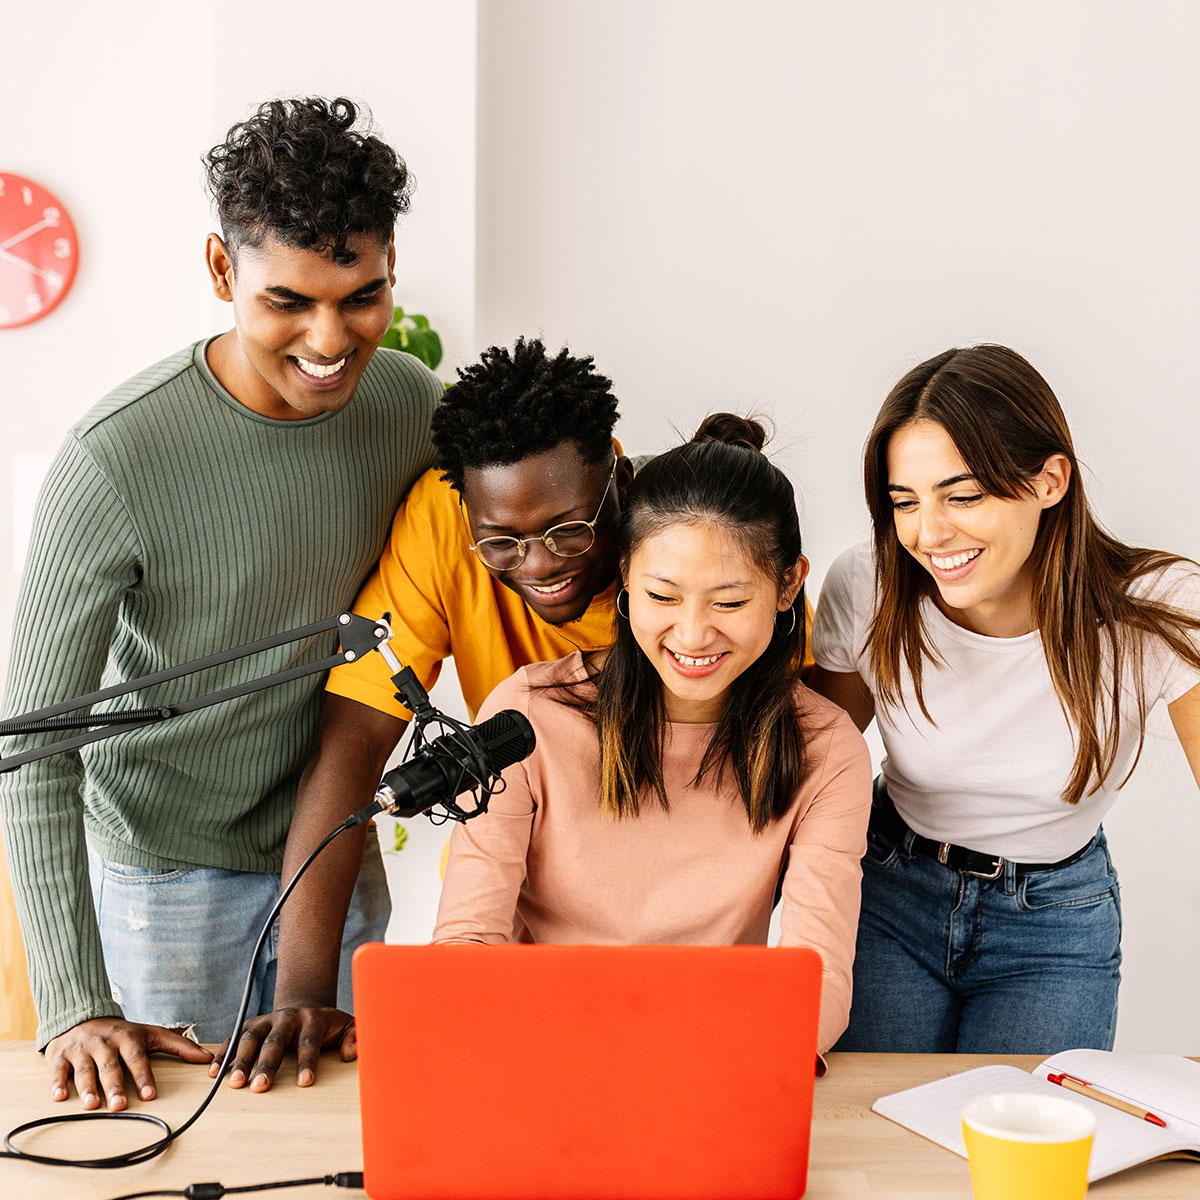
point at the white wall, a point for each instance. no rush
(783, 206)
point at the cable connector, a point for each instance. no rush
(348, 1179)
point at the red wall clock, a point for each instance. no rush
(38, 251)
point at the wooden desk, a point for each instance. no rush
(290, 1133)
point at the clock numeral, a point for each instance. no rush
(33, 302)
(54, 279)
(4, 314)
(51, 215)
(62, 248)
(27, 193)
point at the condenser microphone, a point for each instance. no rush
(454, 763)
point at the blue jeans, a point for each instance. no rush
(177, 943)
(1022, 964)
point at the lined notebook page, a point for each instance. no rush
(934, 1110)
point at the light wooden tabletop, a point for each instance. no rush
(290, 1133)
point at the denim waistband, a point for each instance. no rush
(886, 820)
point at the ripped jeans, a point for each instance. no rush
(177, 943)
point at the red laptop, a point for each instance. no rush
(586, 1072)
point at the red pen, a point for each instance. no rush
(1083, 1088)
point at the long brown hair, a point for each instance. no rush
(1005, 422)
(723, 478)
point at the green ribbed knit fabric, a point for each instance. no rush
(174, 523)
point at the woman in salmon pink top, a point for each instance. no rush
(685, 774)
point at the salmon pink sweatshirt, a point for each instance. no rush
(546, 864)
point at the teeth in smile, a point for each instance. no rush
(688, 661)
(552, 590)
(316, 370)
(954, 560)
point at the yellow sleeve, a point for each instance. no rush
(411, 581)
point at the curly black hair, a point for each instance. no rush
(508, 406)
(299, 171)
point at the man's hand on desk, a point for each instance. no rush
(96, 1053)
(265, 1040)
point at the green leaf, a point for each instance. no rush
(411, 334)
(425, 345)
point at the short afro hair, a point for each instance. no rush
(299, 171)
(510, 405)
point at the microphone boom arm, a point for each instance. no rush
(358, 635)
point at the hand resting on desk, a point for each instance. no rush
(96, 1053)
(310, 1028)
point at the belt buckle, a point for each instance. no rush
(943, 856)
(995, 874)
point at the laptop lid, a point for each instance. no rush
(579, 1072)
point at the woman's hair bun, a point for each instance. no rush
(733, 430)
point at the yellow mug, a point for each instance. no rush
(1025, 1147)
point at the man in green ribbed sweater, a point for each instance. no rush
(239, 488)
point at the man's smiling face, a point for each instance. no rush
(305, 326)
(548, 489)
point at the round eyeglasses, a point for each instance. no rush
(568, 540)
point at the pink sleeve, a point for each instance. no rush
(486, 867)
(822, 885)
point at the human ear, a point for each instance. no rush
(624, 478)
(391, 257)
(220, 267)
(793, 581)
(1054, 480)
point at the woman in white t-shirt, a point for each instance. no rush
(1009, 650)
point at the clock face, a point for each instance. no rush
(38, 251)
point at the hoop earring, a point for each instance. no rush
(791, 628)
(617, 603)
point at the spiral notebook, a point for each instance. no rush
(586, 1072)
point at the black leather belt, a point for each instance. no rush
(886, 820)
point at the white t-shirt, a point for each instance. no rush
(990, 771)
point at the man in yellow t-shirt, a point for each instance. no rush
(505, 553)
(503, 556)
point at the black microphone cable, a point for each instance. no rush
(129, 1158)
(214, 1191)
(473, 771)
